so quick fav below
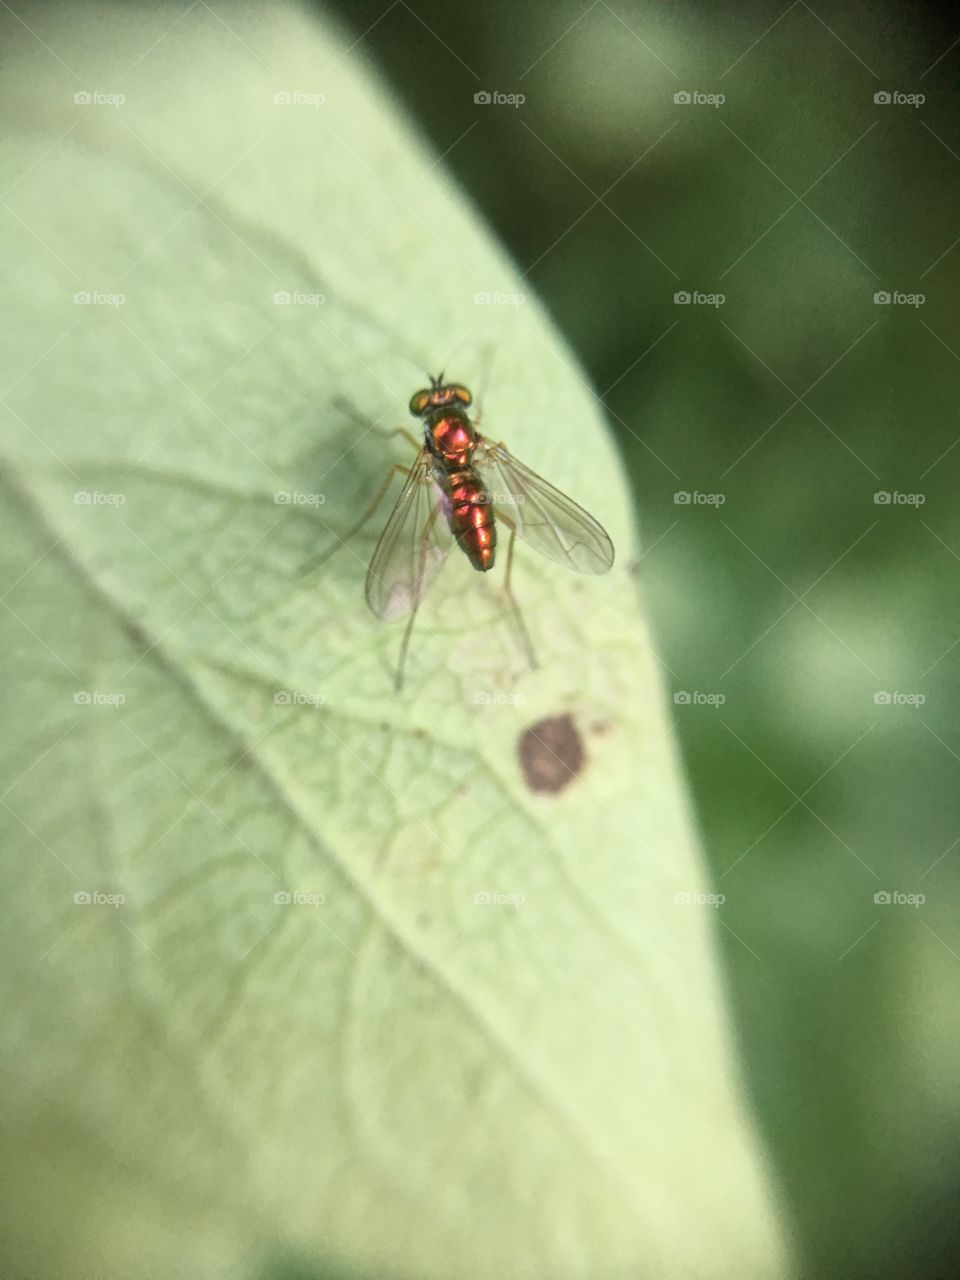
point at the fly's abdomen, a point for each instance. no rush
(471, 517)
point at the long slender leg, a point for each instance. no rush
(512, 599)
(489, 351)
(399, 431)
(348, 408)
(315, 561)
(405, 644)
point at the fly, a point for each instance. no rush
(460, 487)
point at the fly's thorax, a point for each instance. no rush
(449, 434)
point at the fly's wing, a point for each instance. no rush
(412, 547)
(544, 517)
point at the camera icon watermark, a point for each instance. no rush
(894, 498)
(696, 698)
(694, 498)
(95, 298)
(298, 898)
(297, 498)
(886, 698)
(894, 898)
(895, 98)
(298, 298)
(97, 98)
(494, 98)
(697, 298)
(896, 298)
(486, 298)
(298, 98)
(94, 898)
(295, 698)
(96, 498)
(694, 898)
(695, 98)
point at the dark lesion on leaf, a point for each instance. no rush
(551, 753)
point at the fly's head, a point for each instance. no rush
(439, 395)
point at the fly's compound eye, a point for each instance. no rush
(418, 402)
(461, 394)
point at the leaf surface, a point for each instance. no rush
(398, 983)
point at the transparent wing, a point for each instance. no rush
(544, 517)
(412, 547)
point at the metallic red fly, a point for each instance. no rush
(460, 487)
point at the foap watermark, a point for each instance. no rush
(895, 98)
(297, 898)
(696, 698)
(894, 898)
(696, 98)
(894, 298)
(297, 298)
(491, 498)
(95, 298)
(894, 498)
(497, 698)
(486, 298)
(96, 498)
(98, 98)
(888, 698)
(298, 98)
(694, 898)
(694, 498)
(97, 698)
(94, 898)
(298, 498)
(490, 898)
(686, 298)
(494, 98)
(294, 698)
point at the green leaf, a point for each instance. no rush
(293, 965)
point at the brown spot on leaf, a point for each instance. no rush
(551, 753)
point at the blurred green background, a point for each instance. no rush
(825, 619)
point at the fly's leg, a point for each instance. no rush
(348, 408)
(489, 351)
(525, 640)
(491, 446)
(512, 599)
(316, 561)
(399, 431)
(425, 535)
